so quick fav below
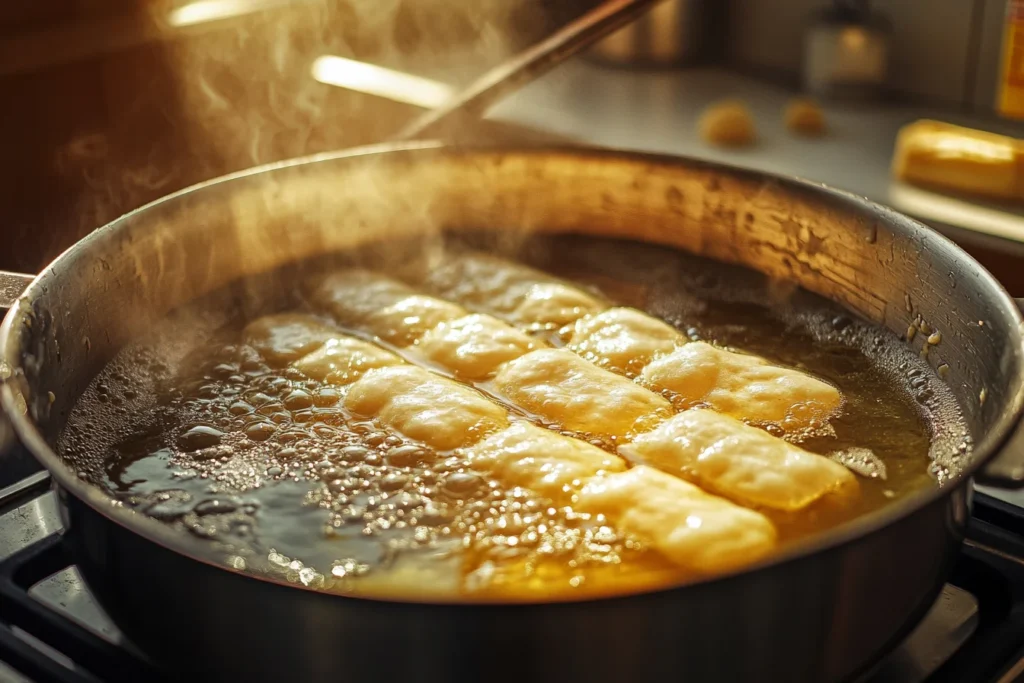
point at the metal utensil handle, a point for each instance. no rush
(473, 102)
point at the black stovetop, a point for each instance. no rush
(51, 630)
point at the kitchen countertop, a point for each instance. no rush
(657, 111)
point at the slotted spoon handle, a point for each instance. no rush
(473, 102)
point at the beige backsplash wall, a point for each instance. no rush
(990, 46)
(943, 51)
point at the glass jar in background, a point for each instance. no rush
(673, 33)
(846, 51)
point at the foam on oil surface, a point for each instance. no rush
(267, 465)
(193, 428)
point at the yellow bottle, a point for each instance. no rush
(1011, 90)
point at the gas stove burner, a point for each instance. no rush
(52, 631)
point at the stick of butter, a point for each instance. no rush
(959, 159)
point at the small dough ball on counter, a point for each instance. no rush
(803, 116)
(728, 123)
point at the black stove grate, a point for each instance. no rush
(63, 651)
(990, 567)
(94, 659)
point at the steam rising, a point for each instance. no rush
(304, 77)
(210, 87)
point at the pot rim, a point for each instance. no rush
(94, 497)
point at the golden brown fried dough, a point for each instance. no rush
(743, 386)
(742, 463)
(692, 528)
(565, 390)
(434, 410)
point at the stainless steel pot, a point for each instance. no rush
(822, 612)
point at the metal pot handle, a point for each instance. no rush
(15, 462)
(1006, 469)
